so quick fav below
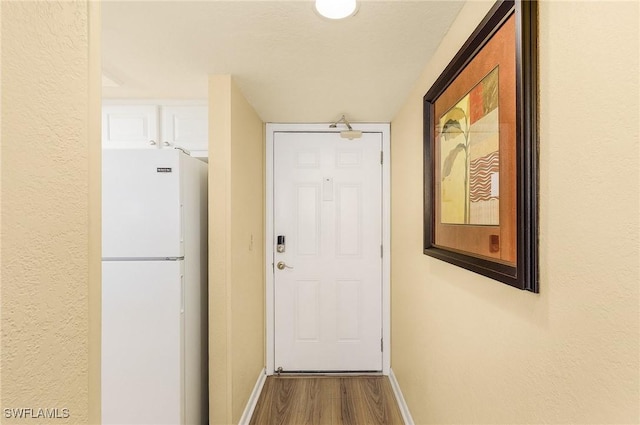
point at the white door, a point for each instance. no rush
(141, 204)
(328, 207)
(186, 127)
(130, 126)
(142, 342)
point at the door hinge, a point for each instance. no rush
(381, 157)
(381, 345)
(381, 251)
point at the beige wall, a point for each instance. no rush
(466, 349)
(236, 249)
(50, 200)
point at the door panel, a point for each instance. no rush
(328, 205)
(349, 220)
(307, 310)
(141, 204)
(142, 343)
(349, 295)
(308, 211)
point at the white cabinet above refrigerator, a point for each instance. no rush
(130, 126)
(136, 124)
(186, 126)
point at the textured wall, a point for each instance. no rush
(236, 241)
(49, 231)
(466, 349)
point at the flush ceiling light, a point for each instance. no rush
(336, 9)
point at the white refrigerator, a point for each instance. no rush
(154, 280)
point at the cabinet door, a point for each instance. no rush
(186, 127)
(130, 126)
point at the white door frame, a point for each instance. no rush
(384, 130)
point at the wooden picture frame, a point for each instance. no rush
(481, 151)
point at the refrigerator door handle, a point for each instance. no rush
(181, 224)
(181, 294)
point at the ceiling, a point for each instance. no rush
(291, 64)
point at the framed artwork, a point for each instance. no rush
(480, 151)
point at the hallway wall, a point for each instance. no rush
(236, 250)
(50, 209)
(466, 349)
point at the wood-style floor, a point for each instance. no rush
(347, 400)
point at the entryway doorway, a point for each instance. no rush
(327, 237)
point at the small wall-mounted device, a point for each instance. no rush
(280, 246)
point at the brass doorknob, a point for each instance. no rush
(281, 266)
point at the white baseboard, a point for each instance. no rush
(402, 404)
(253, 399)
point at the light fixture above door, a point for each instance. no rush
(336, 9)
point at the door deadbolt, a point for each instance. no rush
(281, 266)
(280, 246)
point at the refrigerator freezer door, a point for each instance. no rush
(141, 204)
(142, 342)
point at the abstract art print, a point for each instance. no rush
(470, 154)
(480, 165)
